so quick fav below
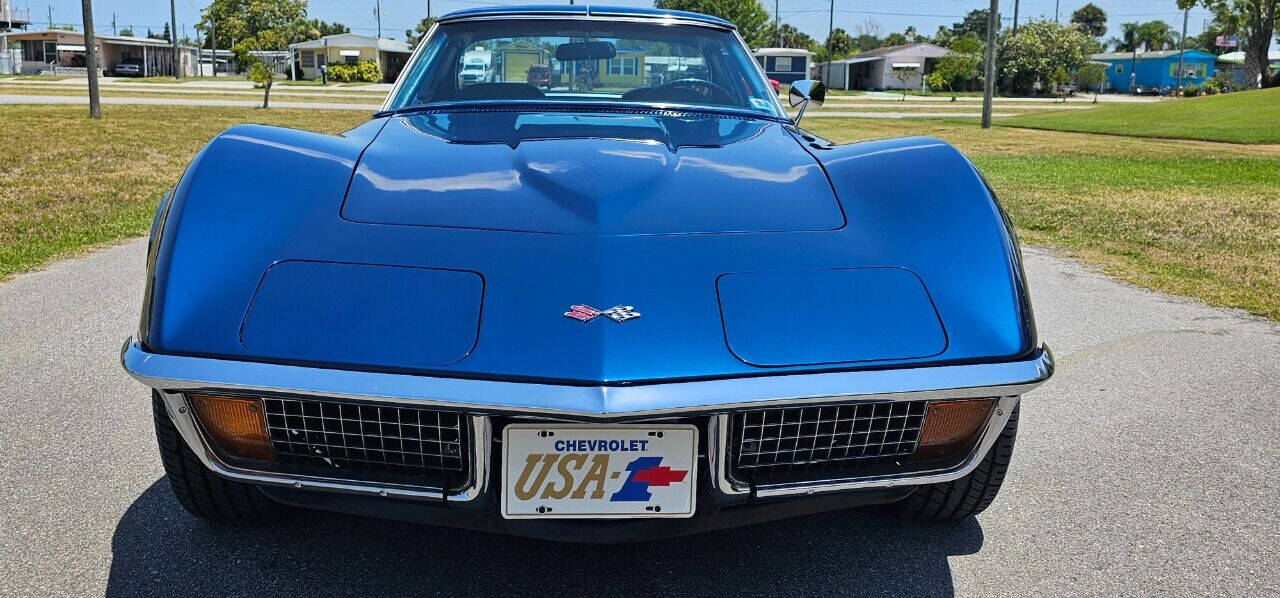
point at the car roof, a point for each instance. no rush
(585, 10)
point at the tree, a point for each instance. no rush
(750, 17)
(903, 75)
(839, 44)
(164, 36)
(789, 37)
(240, 19)
(974, 25)
(893, 39)
(262, 69)
(864, 42)
(1091, 76)
(1255, 21)
(1058, 78)
(943, 37)
(126, 31)
(414, 36)
(1038, 48)
(960, 67)
(1091, 20)
(301, 30)
(1128, 40)
(953, 69)
(1157, 35)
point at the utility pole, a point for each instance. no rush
(50, 16)
(1055, 11)
(1015, 32)
(213, 43)
(777, 22)
(113, 23)
(989, 81)
(173, 33)
(1182, 43)
(91, 59)
(377, 11)
(831, 28)
(428, 10)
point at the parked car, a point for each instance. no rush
(129, 67)
(474, 73)
(587, 315)
(540, 76)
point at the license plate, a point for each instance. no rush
(598, 472)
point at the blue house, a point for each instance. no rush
(784, 65)
(1129, 71)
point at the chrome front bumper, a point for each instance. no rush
(173, 375)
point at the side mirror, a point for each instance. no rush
(805, 92)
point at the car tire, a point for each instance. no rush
(971, 494)
(200, 491)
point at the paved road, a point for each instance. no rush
(1146, 467)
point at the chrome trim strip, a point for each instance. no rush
(181, 373)
(481, 435)
(595, 16)
(408, 66)
(1004, 409)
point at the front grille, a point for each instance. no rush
(845, 440)
(375, 443)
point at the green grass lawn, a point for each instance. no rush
(370, 99)
(1241, 117)
(99, 181)
(1185, 217)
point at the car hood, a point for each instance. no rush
(459, 245)
(590, 174)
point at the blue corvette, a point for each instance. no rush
(610, 292)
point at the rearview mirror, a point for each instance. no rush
(805, 92)
(585, 51)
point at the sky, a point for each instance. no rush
(809, 16)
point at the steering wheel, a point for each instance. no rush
(714, 94)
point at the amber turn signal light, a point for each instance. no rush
(235, 424)
(949, 426)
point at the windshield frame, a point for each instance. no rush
(388, 105)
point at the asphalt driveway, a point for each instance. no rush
(1148, 466)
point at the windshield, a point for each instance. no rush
(583, 61)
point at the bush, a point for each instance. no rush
(365, 71)
(1191, 90)
(1210, 87)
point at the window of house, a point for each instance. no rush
(1192, 70)
(321, 59)
(351, 59)
(622, 66)
(782, 64)
(33, 50)
(1119, 69)
(307, 58)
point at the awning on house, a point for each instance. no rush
(349, 53)
(906, 65)
(70, 48)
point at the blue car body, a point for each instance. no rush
(428, 249)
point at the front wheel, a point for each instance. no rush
(200, 491)
(971, 494)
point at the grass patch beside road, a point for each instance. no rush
(91, 182)
(1189, 218)
(204, 94)
(1240, 117)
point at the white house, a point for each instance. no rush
(891, 67)
(784, 65)
(351, 48)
